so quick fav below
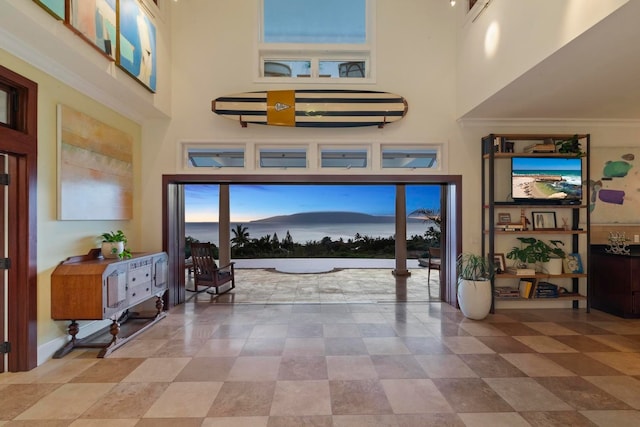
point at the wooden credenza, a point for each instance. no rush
(90, 287)
(615, 282)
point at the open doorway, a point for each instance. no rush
(174, 214)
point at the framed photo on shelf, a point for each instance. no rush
(543, 220)
(573, 264)
(504, 218)
(499, 263)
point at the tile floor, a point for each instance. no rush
(348, 363)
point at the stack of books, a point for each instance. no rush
(546, 290)
(506, 292)
(521, 271)
(514, 226)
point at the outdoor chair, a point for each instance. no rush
(434, 263)
(207, 274)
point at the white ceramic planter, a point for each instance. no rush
(474, 298)
(112, 249)
(553, 266)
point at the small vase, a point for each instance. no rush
(553, 266)
(112, 249)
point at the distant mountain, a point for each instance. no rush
(328, 218)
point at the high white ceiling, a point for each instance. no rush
(596, 76)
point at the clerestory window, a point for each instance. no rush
(327, 40)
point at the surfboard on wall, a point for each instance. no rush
(312, 108)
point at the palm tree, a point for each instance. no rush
(240, 236)
(434, 232)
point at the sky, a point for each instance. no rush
(257, 201)
(546, 163)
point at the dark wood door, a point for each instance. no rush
(3, 282)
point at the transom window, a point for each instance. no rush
(215, 157)
(343, 158)
(324, 40)
(412, 158)
(283, 158)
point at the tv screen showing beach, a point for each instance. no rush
(546, 178)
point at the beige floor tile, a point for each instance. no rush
(525, 394)
(466, 345)
(350, 368)
(618, 342)
(550, 328)
(183, 400)
(481, 329)
(126, 400)
(360, 397)
(141, 348)
(303, 347)
(157, 370)
(414, 396)
(221, 348)
(104, 423)
(506, 419)
(536, 365)
(366, 421)
(390, 345)
(545, 344)
(235, 422)
(68, 401)
(445, 366)
(259, 368)
(613, 418)
(627, 363)
(301, 398)
(627, 389)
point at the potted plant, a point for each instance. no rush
(114, 245)
(535, 251)
(474, 285)
(570, 146)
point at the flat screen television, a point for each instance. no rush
(546, 180)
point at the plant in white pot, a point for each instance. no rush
(114, 245)
(474, 285)
(547, 256)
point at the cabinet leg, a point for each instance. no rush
(73, 330)
(114, 330)
(159, 305)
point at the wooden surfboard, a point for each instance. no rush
(312, 108)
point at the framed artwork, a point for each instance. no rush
(137, 43)
(504, 218)
(573, 263)
(614, 185)
(96, 21)
(54, 7)
(95, 169)
(543, 220)
(499, 263)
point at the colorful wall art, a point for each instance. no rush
(95, 169)
(96, 21)
(615, 185)
(137, 43)
(54, 7)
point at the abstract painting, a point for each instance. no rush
(96, 21)
(614, 190)
(137, 43)
(54, 7)
(95, 169)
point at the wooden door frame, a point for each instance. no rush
(173, 216)
(21, 146)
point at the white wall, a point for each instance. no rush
(214, 55)
(511, 36)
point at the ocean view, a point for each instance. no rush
(302, 233)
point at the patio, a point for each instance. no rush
(273, 282)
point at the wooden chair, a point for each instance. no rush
(434, 263)
(206, 272)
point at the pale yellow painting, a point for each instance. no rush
(95, 171)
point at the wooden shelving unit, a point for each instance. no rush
(496, 197)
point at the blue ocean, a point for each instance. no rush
(208, 231)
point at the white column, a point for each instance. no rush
(224, 224)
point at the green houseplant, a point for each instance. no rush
(536, 251)
(114, 245)
(474, 285)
